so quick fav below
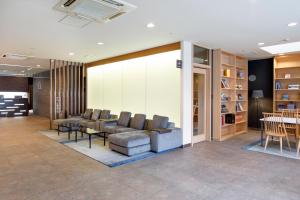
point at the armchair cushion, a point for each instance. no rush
(138, 121)
(96, 114)
(124, 119)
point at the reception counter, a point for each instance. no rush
(13, 106)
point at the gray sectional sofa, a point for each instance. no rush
(88, 119)
(131, 135)
(143, 135)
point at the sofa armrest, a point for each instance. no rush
(166, 141)
(162, 130)
(100, 124)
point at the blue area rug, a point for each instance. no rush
(274, 149)
(98, 152)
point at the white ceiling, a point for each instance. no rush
(31, 27)
(27, 67)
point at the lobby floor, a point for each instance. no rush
(34, 167)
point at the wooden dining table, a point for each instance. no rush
(285, 120)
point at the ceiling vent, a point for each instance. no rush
(100, 11)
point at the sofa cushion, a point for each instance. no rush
(124, 119)
(130, 151)
(111, 129)
(88, 113)
(158, 122)
(96, 114)
(138, 121)
(105, 114)
(129, 139)
(84, 122)
(124, 129)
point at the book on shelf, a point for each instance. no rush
(226, 73)
(222, 120)
(230, 118)
(239, 97)
(285, 97)
(224, 97)
(238, 118)
(277, 85)
(224, 83)
(224, 109)
(239, 107)
(281, 106)
(293, 86)
(291, 106)
(240, 74)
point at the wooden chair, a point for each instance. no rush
(298, 135)
(291, 114)
(274, 127)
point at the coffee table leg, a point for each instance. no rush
(90, 140)
(76, 136)
(104, 138)
(69, 133)
(58, 127)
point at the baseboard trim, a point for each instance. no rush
(186, 145)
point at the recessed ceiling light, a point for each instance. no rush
(292, 24)
(71, 54)
(261, 43)
(100, 43)
(29, 69)
(38, 65)
(150, 25)
(22, 71)
(283, 48)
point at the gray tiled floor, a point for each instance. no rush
(35, 167)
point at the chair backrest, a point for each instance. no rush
(291, 113)
(273, 124)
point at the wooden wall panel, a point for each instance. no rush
(13, 84)
(67, 89)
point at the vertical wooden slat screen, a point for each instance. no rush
(67, 94)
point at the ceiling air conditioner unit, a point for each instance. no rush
(94, 10)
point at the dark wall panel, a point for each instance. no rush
(41, 96)
(263, 70)
(13, 84)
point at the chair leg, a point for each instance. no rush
(288, 142)
(298, 148)
(267, 140)
(281, 144)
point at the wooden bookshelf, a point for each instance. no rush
(286, 73)
(234, 70)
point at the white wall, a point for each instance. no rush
(150, 85)
(187, 87)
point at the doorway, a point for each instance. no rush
(201, 105)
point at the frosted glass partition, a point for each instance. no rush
(149, 85)
(13, 94)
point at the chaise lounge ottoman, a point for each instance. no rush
(129, 143)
